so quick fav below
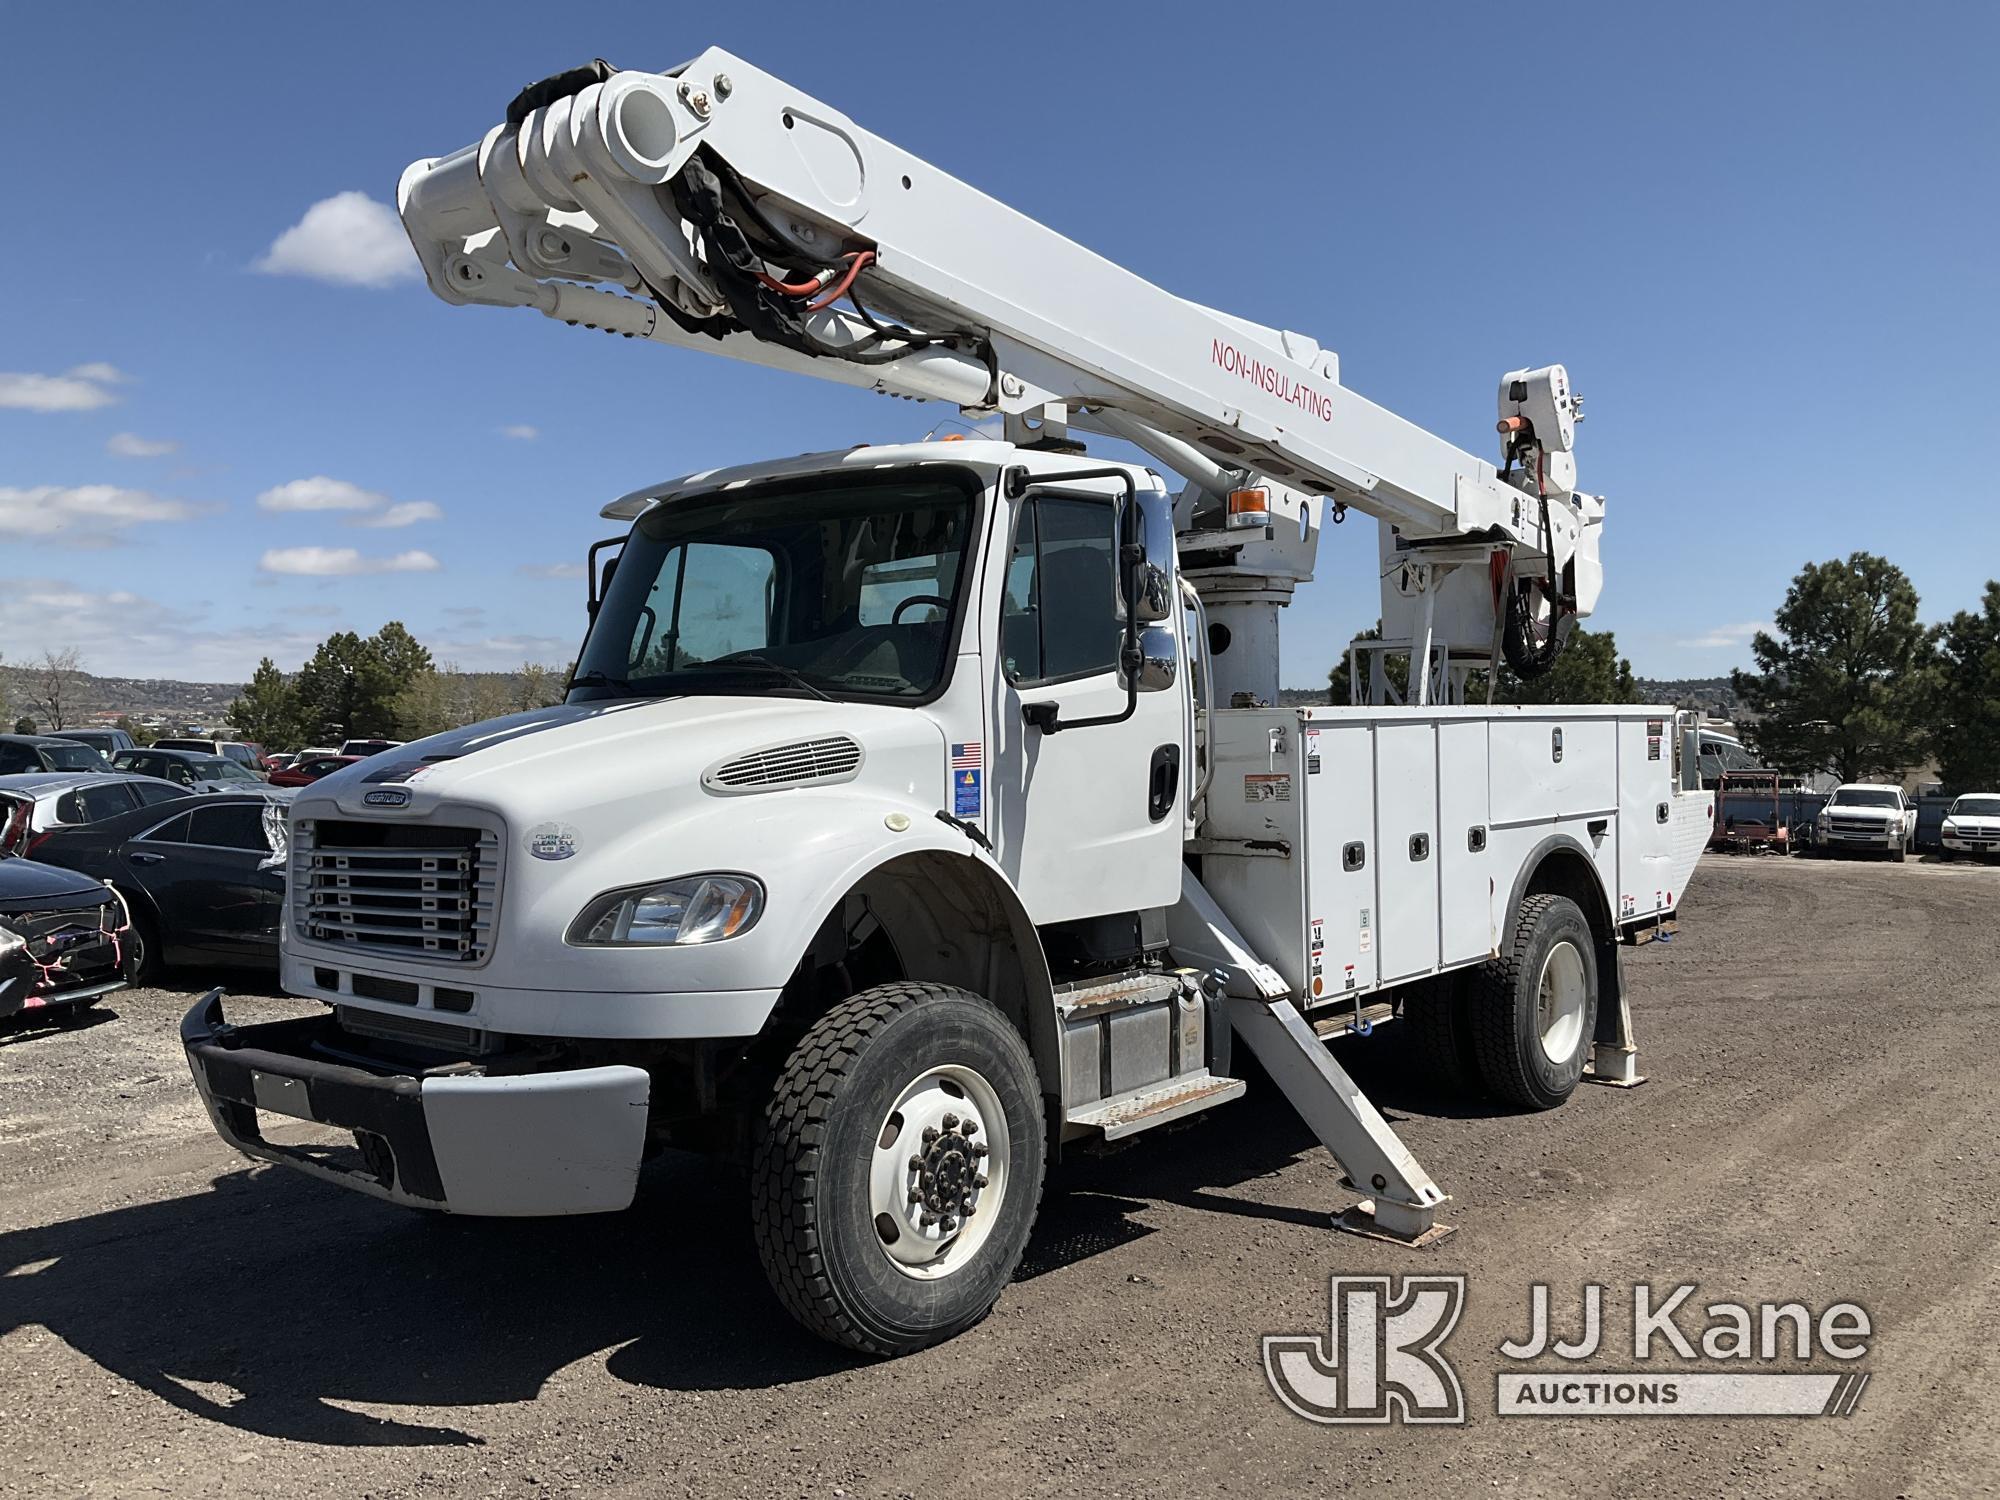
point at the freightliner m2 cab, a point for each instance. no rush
(917, 811)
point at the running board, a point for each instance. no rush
(1402, 1201)
(1160, 1105)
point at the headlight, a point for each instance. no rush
(693, 909)
(1950, 829)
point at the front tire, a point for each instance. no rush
(1535, 1011)
(898, 1168)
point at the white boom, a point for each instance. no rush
(716, 207)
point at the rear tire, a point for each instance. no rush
(1534, 1011)
(865, 1133)
(1439, 1019)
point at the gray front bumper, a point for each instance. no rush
(524, 1144)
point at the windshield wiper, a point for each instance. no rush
(762, 663)
(595, 678)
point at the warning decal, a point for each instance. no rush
(1268, 786)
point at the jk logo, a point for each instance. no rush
(1379, 1361)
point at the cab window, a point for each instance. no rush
(1059, 615)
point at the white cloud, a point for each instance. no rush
(1722, 637)
(368, 507)
(341, 562)
(320, 493)
(101, 373)
(348, 239)
(86, 514)
(131, 445)
(81, 389)
(407, 514)
(551, 570)
(119, 633)
(521, 431)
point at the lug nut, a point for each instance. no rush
(916, 1164)
(916, 1195)
(951, 1122)
(979, 1181)
(927, 1219)
(971, 1129)
(979, 1148)
(947, 1223)
(930, 1135)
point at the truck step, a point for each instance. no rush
(1159, 1105)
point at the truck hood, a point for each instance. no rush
(578, 756)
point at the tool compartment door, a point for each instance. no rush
(1406, 875)
(1465, 862)
(1341, 856)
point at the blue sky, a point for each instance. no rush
(1762, 237)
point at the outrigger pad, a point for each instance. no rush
(1360, 1220)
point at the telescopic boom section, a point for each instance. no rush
(717, 207)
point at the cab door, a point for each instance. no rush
(1086, 820)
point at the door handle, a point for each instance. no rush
(148, 859)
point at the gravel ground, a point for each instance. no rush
(1819, 1125)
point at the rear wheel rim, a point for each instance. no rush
(940, 1156)
(1560, 999)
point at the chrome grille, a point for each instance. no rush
(836, 758)
(1873, 828)
(408, 889)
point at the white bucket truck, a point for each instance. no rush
(918, 809)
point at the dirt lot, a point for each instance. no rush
(1819, 1125)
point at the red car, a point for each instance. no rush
(309, 770)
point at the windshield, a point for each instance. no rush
(1976, 807)
(1849, 796)
(219, 768)
(74, 758)
(827, 589)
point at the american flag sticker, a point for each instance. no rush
(968, 768)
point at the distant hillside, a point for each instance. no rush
(89, 696)
(202, 704)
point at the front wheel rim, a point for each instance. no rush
(938, 1173)
(1560, 1000)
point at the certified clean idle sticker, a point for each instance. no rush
(551, 840)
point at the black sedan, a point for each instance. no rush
(41, 752)
(204, 877)
(64, 941)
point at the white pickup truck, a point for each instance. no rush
(1868, 817)
(1972, 826)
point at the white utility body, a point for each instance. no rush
(918, 808)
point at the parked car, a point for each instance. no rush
(1972, 825)
(363, 748)
(246, 753)
(43, 752)
(36, 803)
(310, 768)
(204, 879)
(65, 940)
(1869, 818)
(189, 768)
(106, 742)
